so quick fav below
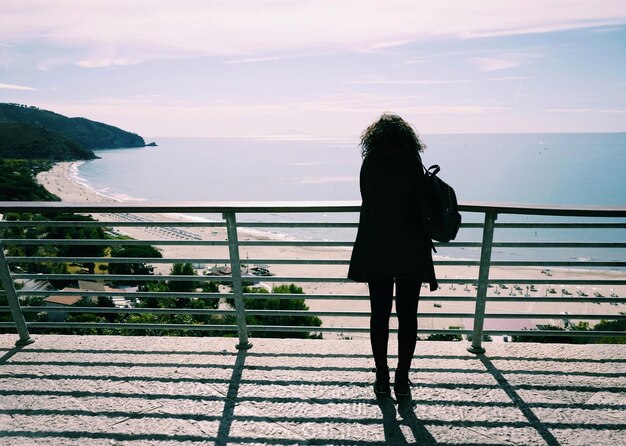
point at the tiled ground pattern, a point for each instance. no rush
(113, 390)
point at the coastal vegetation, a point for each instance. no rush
(564, 338)
(292, 304)
(28, 141)
(85, 132)
(32, 139)
(139, 251)
(17, 182)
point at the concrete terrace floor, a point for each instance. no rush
(110, 390)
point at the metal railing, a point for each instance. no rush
(611, 221)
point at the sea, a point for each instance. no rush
(562, 169)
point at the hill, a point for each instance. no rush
(27, 141)
(90, 134)
(17, 181)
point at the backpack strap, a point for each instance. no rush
(432, 170)
(435, 169)
(424, 199)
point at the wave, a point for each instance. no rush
(73, 174)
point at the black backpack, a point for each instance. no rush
(440, 212)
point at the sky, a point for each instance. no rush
(319, 69)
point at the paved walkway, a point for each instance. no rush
(109, 390)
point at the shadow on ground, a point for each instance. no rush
(119, 390)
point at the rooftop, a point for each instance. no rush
(63, 300)
(201, 390)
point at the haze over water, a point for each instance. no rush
(552, 169)
(560, 169)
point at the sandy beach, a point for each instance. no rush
(59, 181)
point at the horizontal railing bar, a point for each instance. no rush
(284, 224)
(558, 281)
(590, 225)
(567, 299)
(201, 278)
(249, 312)
(12, 259)
(112, 310)
(535, 263)
(104, 224)
(294, 224)
(130, 295)
(194, 327)
(305, 313)
(558, 245)
(111, 242)
(548, 316)
(551, 333)
(130, 326)
(525, 209)
(158, 224)
(143, 294)
(258, 328)
(295, 207)
(225, 261)
(221, 261)
(590, 333)
(186, 207)
(577, 245)
(126, 277)
(131, 277)
(303, 243)
(424, 298)
(22, 259)
(573, 263)
(291, 224)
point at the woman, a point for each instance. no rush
(391, 246)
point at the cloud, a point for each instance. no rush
(119, 32)
(122, 101)
(586, 110)
(510, 78)
(15, 87)
(321, 180)
(255, 59)
(409, 81)
(607, 30)
(454, 109)
(493, 63)
(384, 45)
(503, 61)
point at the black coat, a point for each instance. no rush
(390, 242)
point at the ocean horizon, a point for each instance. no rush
(573, 169)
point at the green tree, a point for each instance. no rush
(274, 304)
(561, 338)
(617, 325)
(169, 301)
(182, 269)
(77, 233)
(17, 182)
(139, 251)
(210, 302)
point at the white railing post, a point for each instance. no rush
(235, 266)
(483, 277)
(14, 304)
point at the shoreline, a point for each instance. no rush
(59, 181)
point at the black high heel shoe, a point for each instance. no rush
(401, 384)
(381, 385)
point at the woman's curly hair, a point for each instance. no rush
(390, 133)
